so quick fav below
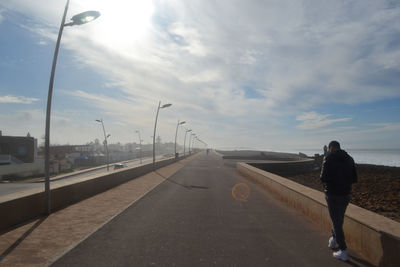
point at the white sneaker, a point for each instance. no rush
(341, 255)
(332, 243)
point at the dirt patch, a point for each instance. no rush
(377, 190)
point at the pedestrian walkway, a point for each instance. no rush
(39, 242)
(205, 215)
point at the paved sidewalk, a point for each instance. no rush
(39, 242)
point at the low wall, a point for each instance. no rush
(24, 169)
(373, 236)
(23, 206)
(288, 167)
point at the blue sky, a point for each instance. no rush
(277, 75)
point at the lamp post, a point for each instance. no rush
(190, 140)
(194, 139)
(155, 127)
(140, 145)
(184, 142)
(79, 19)
(176, 134)
(105, 141)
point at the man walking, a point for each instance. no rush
(337, 175)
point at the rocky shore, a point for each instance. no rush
(377, 190)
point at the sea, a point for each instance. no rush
(386, 157)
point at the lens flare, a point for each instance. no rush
(241, 192)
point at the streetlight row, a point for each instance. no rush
(140, 139)
(176, 133)
(80, 19)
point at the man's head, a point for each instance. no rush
(333, 146)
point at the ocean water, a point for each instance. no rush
(387, 157)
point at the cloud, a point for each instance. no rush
(42, 43)
(313, 120)
(1, 15)
(17, 99)
(188, 38)
(380, 127)
(308, 59)
(232, 68)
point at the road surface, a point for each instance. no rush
(195, 218)
(9, 188)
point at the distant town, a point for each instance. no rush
(23, 156)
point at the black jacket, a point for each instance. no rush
(338, 173)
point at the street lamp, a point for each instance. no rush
(184, 142)
(83, 18)
(76, 20)
(105, 141)
(155, 126)
(140, 144)
(190, 139)
(176, 134)
(194, 139)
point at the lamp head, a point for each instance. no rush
(166, 105)
(84, 17)
(98, 120)
(183, 122)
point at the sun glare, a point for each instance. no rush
(122, 22)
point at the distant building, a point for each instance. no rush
(17, 149)
(60, 152)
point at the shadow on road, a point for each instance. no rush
(189, 187)
(22, 238)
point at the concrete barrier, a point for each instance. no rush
(24, 170)
(373, 236)
(23, 206)
(286, 167)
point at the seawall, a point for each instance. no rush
(373, 236)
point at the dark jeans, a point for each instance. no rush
(337, 206)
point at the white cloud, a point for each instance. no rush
(17, 99)
(1, 15)
(310, 58)
(381, 127)
(188, 38)
(313, 120)
(42, 43)
(202, 55)
(249, 57)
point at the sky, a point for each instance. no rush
(276, 75)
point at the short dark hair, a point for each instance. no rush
(334, 144)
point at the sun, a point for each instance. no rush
(122, 22)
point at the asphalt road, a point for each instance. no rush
(9, 188)
(192, 219)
